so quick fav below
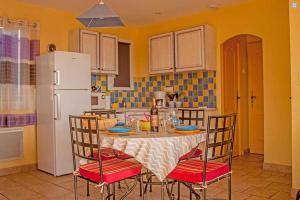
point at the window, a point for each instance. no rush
(124, 80)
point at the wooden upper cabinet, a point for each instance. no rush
(102, 48)
(108, 54)
(195, 49)
(161, 53)
(84, 41)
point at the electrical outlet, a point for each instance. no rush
(294, 4)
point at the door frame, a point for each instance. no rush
(222, 71)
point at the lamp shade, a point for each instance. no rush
(100, 16)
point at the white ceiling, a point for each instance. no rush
(140, 12)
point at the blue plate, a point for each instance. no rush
(120, 124)
(186, 128)
(119, 130)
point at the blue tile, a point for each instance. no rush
(205, 99)
(210, 80)
(211, 93)
(185, 82)
(205, 86)
(200, 93)
(205, 74)
(190, 104)
(180, 88)
(171, 82)
(200, 81)
(190, 93)
(190, 75)
(195, 87)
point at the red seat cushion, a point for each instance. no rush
(194, 153)
(192, 171)
(109, 153)
(114, 170)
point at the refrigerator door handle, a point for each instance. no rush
(57, 105)
(56, 77)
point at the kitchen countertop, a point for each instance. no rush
(121, 110)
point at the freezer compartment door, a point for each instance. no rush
(71, 70)
(67, 102)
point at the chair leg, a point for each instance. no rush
(162, 191)
(229, 187)
(151, 182)
(142, 187)
(87, 188)
(75, 188)
(114, 191)
(119, 185)
(108, 192)
(178, 191)
(204, 194)
(191, 195)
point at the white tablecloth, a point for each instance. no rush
(159, 153)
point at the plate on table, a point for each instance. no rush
(188, 132)
(187, 128)
(119, 130)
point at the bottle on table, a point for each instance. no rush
(154, 120)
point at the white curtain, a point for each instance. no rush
(19, 45)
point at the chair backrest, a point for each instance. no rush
(85, 140)
(220, 139)
(192, 115)
(101, 113)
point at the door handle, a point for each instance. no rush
(56, 77)
(238, 98)
(57, 107)
(252, 98)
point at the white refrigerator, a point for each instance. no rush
(63, 89)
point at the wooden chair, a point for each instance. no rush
(105, 173)
(198, 174)
(102, 113)
(194, 116)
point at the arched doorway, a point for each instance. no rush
(242, 90)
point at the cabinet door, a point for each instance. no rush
(109, 54)
(89, 44)
(189, 49)
(161, 53)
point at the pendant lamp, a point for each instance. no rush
(100, 15)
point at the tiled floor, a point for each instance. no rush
(250, 182)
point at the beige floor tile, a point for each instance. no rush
(249, 182)
(260, 192)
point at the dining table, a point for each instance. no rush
(158, 152)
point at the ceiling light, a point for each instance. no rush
(100, 15)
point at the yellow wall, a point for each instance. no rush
(54, 29)
(268, 20)
(295, 69)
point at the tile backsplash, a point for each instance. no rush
(195, 89)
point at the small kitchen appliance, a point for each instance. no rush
(98, 100)
(160, 98)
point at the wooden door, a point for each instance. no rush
(230, 90)
(242, 91)
(161, 53)
(255, 93)
(109, 54)
(89, 42)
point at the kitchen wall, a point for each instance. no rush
(54, 28)
(295, 69)
(195, 89)
(269, 20)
